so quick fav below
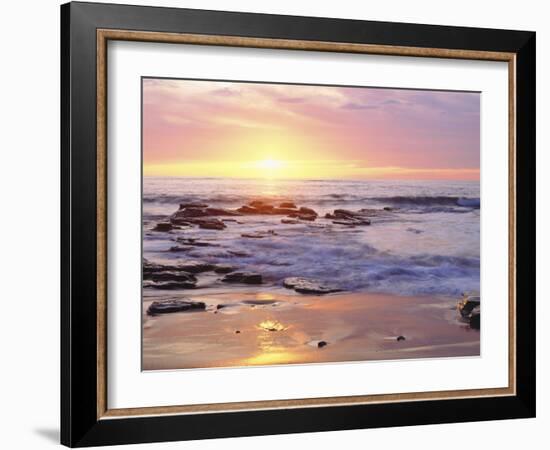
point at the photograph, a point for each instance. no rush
(299, 224)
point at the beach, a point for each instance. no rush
(260, 272)
(278, 328)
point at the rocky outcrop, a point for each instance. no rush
(169, 285)
(220, 212)
(211, 224)
(255, 235)
(248, 210)
(308, 286)
(475, 318)
(192, 242)
(243, 277)
(190, 267)
(177, 248)
(469, 308)
(201, 215)
(223, 268)
(174, 305)
(193, 205)
(287, 205)
(163, 226)
(259, 234)
(196, 266)
(346, 217)
(169, 275)
(467, 304)
(284, 209)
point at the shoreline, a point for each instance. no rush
(259, 327)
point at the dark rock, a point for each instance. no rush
(467, 304)
(222, 268)
(177, 248)
(387, 208)
(259, 207)
(191, 212)
(344, 222)
(163, 226)
(243, 277)
(308, 286)
(345, 217)
(322, 344)
(282, 211)
(344, 213)
(371, 212)
(193, 205)
(352, 222)
(149, 267)
(303, 216)
(248, 210)
(170, 285)
(256, 235)
(239, 254)
(290, 221)
(174, 305)
(195, 267)
(287, 205)
(180, 221)
(194, 243)
(259, 204)
(212, 224)
(400, 338)
(220, 212)
(475, 318)
(237, 331)
(308, 211)
(170, 276)
(259, 234)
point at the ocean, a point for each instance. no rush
(428, 243)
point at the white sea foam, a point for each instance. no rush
(428, 244)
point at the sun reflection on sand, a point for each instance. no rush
(271, 325)
(273, 357)
(271, 350)
(264, 296)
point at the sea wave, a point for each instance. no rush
(425, 201)
(444, 203)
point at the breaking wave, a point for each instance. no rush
(413, 200)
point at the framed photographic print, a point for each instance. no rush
(276, 224)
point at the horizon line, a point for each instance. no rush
(309, 179)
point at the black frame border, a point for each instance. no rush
(79, 423)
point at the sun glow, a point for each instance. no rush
(270, 168)
(270, 164)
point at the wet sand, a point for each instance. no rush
(272, 326)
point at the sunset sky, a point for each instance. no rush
(251, 130)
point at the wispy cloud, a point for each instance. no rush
(410, 129)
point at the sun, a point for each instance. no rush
(269, 168)
(270, 164)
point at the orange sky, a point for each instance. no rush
(221, 129)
